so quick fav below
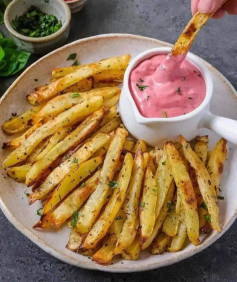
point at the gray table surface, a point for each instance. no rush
(21, 260)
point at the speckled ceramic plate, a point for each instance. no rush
(12, 198)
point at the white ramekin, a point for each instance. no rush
(157, 130)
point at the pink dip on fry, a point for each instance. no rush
(167, 86)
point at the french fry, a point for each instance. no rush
(171, 224)
(178, 240)
(148, 206)
(57, 175)
(98, 198)
(164, 179)
(19, 123)
(215, 164)
(108, 103)
(33, 156)
(71, 116)
(75, 240)
(109, 126)
(204, 182)
(128, 232)
(81, 86)
(142, 144)
(16, 143)
(128, 145)
(72, 140)
(102, 225)
(70, 205)
(63, 102)
(108, 76)
(201, 147)
(161, 217)
(189, 34)
(187, 193)
(105, 84)
(133, 251)
(75, 176)
(19, 172)
(53, 88)
(105, 254)
(112, 113)
(160, 244)
(54, 140)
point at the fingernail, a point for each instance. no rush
(205, 6)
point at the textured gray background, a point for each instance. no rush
(20, 260)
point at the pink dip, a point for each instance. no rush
(167, 86)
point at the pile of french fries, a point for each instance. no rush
(116, 194)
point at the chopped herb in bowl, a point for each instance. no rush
(35, 23)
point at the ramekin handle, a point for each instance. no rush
(225, 127)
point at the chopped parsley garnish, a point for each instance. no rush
(207, 218)
(68, 156)
(164, 114)
(27, 194)
(163, 163)
(154, 190)
(35, 23)
(74, 95)
(72, 56)
(75, 161)
(118, 217)
(178, 90)
(142, 204)
(204, 205)
(140, 80)
(220, 197)
(82, 184)
(169, 206)
(39, 211)
(113, 184)
(75, 63)
(141, 87)
(74, 219)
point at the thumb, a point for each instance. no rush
(209, 6)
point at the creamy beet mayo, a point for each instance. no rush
(167, 86)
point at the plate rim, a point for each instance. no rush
(91, 265)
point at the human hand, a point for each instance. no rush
(210, 6)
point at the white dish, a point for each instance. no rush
(13, 202)
(155, 131)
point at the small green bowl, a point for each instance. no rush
(39, 45)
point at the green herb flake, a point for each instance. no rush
(68, 156)
(74, 219)
(207, 218)
(169, 206)
(39, 211)
(74, 95)
(35, 23)
(118, 217)
(27, 194)
(141, 87)
(204, 206)
(76, 63)
(178, 90)
(72, 56)
(140, 80)
(163, 163)
(113, 184)
(46, 1)
(142, 204)
(75, 161)
(154, 190)
(220, 197)
(164, 114)
(82, 184)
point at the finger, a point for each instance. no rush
(219, 14)
(231, 7)
(209, 6)
(194, 6)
